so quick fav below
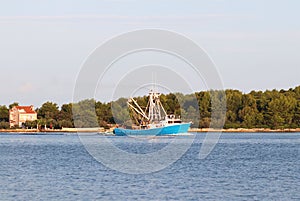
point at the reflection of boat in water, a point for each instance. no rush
(153, 121)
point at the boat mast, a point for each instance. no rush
(155, 107)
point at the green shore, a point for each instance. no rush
(197, 130)
(246, 130)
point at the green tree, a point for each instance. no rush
(48, 111)
(268, 109)
(248, 113)
(65, 116)
(218, 108)
(13, 104)
(296, 118)
(280, 111)
(4, 125)
(234, 104)
(193, 116)
(4, 116)
(189, 108)
(122, 114)
(171, 104)
(84, 114)
(204, 105)
(104, 114)
(31, 124)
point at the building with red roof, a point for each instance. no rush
(20, 114)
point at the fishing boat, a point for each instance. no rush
(154, 121)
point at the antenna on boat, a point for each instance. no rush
(153, 88)
(154, 82)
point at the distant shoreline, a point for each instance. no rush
(246, 130)
(196, 130)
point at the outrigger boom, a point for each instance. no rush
(157, 122)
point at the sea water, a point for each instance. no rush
(242, 166)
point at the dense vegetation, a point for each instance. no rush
(269, 109)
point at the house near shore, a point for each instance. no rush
(20, 114)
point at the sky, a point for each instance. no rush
(254, 44)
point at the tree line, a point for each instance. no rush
(275, 109)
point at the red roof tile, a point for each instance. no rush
(27, 109)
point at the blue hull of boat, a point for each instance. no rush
(167, 130)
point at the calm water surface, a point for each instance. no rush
(241, 167)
